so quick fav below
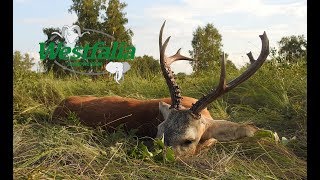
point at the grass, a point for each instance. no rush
(274, 98)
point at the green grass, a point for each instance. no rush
(274, 99)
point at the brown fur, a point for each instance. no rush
(110, 112)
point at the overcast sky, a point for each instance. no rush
(238, 21)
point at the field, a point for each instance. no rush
(275, 98)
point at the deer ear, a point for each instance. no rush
(164, 109)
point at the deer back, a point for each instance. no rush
(110, 112)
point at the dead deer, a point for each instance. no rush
(184, 122)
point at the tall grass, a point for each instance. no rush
(274, 98)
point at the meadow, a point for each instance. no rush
(275, 99)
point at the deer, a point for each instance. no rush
(184, 122)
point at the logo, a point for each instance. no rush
(118, 68)
(98, 54)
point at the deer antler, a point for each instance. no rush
(165, 63)
(223, 87)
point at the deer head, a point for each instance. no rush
(183, 127)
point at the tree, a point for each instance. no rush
(145, 66)
(89, 16)
(88, 13)
(292, 48)
(49, 65)
(21, 62)
(17, 60)
(115, 22)
(230, 66)
(206, 44)
(94, 14)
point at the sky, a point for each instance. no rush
(240, 22)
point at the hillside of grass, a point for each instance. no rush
(275, 98)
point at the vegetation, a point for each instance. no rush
(104, 16)
(206, 44)
(145, 66)
(115, 22)
(108, 17)
(21, 62)
(291, 49)
(274, 98)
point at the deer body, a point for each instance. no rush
(184, 122)
(110, 112)
(144, 116)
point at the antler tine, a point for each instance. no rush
(177, 57)
(165, 63)
(223, 87)
(162, 48)
(255, 64)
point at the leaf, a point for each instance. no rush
(157, 151)
(161, 153)
(159, 143)
(133, 152)
(170, 155)
(284, 140)
(144, 151)
(264, 134)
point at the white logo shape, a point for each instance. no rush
(118, 68)
(71, 34)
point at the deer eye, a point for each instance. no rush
(187, 142)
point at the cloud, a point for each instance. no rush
(181, 66)
(188, 10)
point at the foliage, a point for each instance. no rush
(109, 19)
(89, 13)
(144, 66)
(206, 44)
(115, 22)
(160, 153)
(231, 67)
(292, 48)
(49, 64)
(181, 76)
(96, 15)
(21, 62)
